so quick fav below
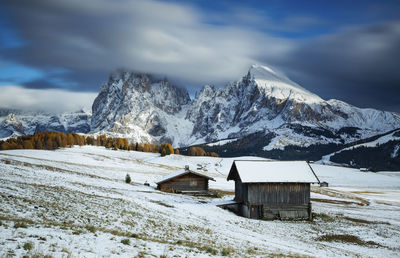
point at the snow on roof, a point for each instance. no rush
(261, 171)
(181, 173)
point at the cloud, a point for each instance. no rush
(358, 64)
(49, 100)
(163, 38)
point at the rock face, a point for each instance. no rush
(263, 104)
(141, 108)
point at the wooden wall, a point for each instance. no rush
(281, 194)
(284, 201)
(241, 191)
(188, 182)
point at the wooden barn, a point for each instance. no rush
(272, 189)
(184, 181)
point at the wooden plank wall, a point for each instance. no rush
(188, 182)
(281, 194)
(241, 191)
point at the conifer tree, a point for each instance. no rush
(127, 179)
(70, 140)
(28, 144)
(146, 148)
(166, 149)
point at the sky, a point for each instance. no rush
(56, 49)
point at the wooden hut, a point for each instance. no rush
(184, 181)
(272, 189)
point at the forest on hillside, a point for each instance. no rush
(382, 157)
(53, 140)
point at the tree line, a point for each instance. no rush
(54, 140)
(379, 158)
(43, 141)
(198, 151)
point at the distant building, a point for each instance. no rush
(272, 189)
(324, 184)
(184, 181)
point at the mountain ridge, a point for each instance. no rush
(143, 108)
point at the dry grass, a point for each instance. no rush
(323, 216)
(162, 204)
(348, 239)
(223, 192)
(339, 194)
(367, 192)
(337, 201)
(356, 220)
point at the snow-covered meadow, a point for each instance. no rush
(74, 202)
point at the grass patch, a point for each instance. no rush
(337, 201)
(77, 232)
(141, 254)
(323, 216)
(211, 250)
(226, 251)
(162, 204)
(28, 246)
(41, 255)
(126, 241)
(349, 239)
(20, 225)
(134, 235)
(18, 220)
(91, 228)
(363, 221)
(220, 193)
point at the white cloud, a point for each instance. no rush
(49, 100)
(149, 36)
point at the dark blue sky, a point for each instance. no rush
(347, 50)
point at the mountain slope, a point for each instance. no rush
(377, 153)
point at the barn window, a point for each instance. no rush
(193, 183)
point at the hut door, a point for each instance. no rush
(256, 211)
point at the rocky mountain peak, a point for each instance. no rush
(206, 91)
(276, 84)
(11, 118)
(11, 125)
(137, 102)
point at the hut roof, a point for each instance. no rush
(264, 171)
(181, 173)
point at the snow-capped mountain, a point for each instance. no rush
(267, 101)
(264, 105)
(16, 123)
(141, 108)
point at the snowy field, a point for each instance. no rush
(74, 203)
